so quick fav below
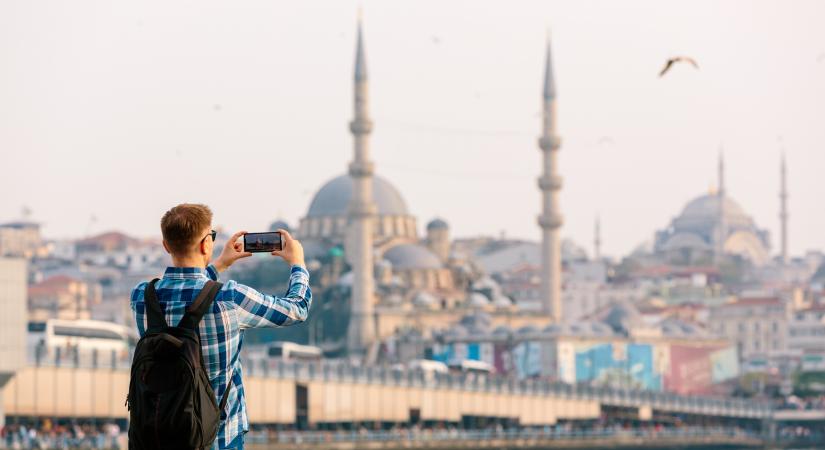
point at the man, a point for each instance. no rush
(188, 237)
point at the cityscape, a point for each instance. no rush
(709, 334)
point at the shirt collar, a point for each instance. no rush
(183, 273)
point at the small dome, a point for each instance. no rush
(485, 282)
(502, 301)
(437, 224)
(424, 299)
(529, 329)
(412, 256)
(279, 225)
(334, 197)
(501, 331)
(478, 300)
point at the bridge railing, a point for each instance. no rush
(706, 434)
(342, 371)
(333, 370)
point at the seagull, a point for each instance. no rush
(672, 61)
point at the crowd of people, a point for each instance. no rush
(799, 403)
(49, 435)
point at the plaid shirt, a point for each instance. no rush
(236, 308)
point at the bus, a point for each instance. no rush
(290, 351)
(472, 366)
(82, 337)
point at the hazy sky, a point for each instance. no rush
(123, 109)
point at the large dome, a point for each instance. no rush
(334, 197)
(706, 209)
(412, 256)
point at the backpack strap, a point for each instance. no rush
(154, 314)
(192, 318)
(225, 395)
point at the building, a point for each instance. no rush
(758, 326)
(616, 349)
(712, 226)
(62, 297)
(12, 321)
(115, 249)
(21, 239)
(806, 331)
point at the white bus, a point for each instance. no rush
(472, 366)
(84, 337)
(290, 351)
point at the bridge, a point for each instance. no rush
(321, 394)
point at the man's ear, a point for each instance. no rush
(166, 247)
(203, 249)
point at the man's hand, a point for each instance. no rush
(292, 251)
(232, 252)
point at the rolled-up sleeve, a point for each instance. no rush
(258, 310)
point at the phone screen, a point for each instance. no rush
(262, 242)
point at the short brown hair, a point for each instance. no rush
(181, 226)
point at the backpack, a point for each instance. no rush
(171, 402)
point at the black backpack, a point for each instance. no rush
(171, 402)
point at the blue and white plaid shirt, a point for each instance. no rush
(236, 308)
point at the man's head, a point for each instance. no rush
(186, 232)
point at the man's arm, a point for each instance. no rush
(260, 310)
(256, 310)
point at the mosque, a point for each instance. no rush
(712, 227)
(395, 280)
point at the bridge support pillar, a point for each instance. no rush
(769, 430)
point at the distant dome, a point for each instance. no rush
(334, 197)
(706, 208)
(502, 301)
(424, 299)
(279, 225)
(412, 256)
(437, 224)
(478, 300)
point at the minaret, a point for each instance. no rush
(722, 231)
(550, 182)
(597, 240)
(362, 210)
(783, 209)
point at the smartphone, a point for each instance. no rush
(262, 242)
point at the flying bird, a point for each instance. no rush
(672, 61)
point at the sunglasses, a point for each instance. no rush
(212, 233)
